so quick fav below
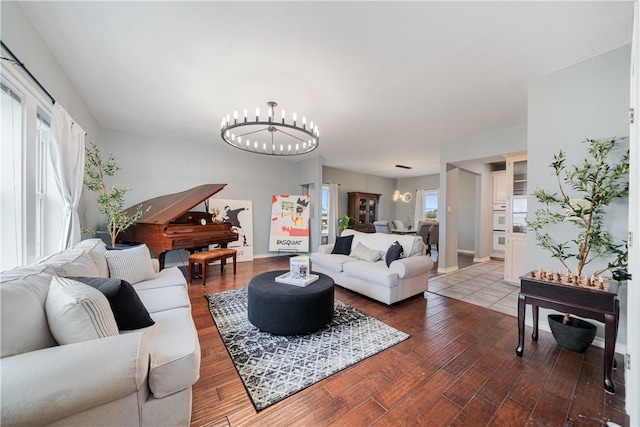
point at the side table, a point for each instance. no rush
(592, 303)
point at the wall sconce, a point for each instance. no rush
(406, 197)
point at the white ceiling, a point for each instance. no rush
(386, 82)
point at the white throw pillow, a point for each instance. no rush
(131, 264)
(96, 249)
(71, 262)
(77, 312)
(366, 254)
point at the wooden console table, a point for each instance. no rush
(591, 303)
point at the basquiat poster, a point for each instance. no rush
(289, 223)
(239, 214)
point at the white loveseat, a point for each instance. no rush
(402, 279)
(135, 377)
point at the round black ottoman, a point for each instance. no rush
(283, 309)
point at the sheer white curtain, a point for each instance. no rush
(66, 147)
(418, 210)
(333, 213)
(12, 249)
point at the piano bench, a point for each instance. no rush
(205, 257)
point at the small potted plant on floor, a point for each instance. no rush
(110, 199)
(585, 192)
(345, 222)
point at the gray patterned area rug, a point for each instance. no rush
(274, 367)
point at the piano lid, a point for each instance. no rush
(165, 209)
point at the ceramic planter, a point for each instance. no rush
(577, 335)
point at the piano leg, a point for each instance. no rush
(161, 256)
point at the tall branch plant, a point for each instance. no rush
(585, 191)
(110, 199)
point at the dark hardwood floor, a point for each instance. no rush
(458, 368)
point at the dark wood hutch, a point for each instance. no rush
(363, 208)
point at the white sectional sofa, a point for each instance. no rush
(401, 279)
(66, 359)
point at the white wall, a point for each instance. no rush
(587, 100)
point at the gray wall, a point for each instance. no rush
(153, 167)
(425, 182)
(24, 41)
(354, 181)
(587, 100)
(467, 211)
(476, 149)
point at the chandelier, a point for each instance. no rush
(271, 136)
(398, 196)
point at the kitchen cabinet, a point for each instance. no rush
(515, 254)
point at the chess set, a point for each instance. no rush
(570, 279)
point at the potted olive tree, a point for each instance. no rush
(110, 199)
(585, 191)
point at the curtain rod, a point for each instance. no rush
(16, 61)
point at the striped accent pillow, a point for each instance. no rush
(77, 312)
(131, 264)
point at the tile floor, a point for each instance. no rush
(480, 284)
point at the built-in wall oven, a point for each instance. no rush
(499, 221)
(499, 226)
(499, 240)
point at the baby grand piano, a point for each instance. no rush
(171, 225)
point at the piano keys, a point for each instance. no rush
(170, 224)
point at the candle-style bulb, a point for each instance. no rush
(257, 114)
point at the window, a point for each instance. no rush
(431, 205)
(11, 182)
(325, 209)
(31, 211)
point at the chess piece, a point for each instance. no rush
(570, 278)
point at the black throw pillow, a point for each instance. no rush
(128, 309)
(343, 245)
(393, 253)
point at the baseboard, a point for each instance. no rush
(269, 255)
(543, 325)
(448, 269)
(485, 259)
(466, 252)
